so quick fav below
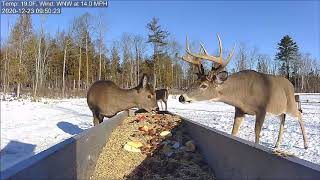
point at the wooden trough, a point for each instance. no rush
(229, 157)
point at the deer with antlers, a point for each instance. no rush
(250, 92)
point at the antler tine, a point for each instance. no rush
(230, 56)
(187, 44)
(189, 60)
(188, 51)
(204, 49)
(218, 59)
(192, 58)
(220, 50)
(196, 58)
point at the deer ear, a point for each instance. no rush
(221, 77)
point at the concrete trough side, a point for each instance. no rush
(74, 158)
(234, 158)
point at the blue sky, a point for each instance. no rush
(259, 24)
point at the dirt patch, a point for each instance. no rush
(167, 152)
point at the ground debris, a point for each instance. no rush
(282, 153)
(173, 156)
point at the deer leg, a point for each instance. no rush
(282, 121)
(97, 118)
(238, 118)
(100, 117)
(166, 105)
(161, 102)
(258, 126)
(302, 130)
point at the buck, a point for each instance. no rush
(162, 96)
(106, 99)
(250, 92)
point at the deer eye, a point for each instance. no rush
(149, 96)
(203, 86)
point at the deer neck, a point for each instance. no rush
(128, 98)
(228, 96)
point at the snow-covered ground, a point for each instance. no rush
(30, 127)
(220, 116)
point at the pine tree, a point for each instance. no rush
(287, 54)
(158, 38)
(20, 37)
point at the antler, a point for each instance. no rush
(192, 58)
(196, 58)
(217, 59)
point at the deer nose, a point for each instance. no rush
(182, 99)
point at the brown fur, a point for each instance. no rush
(252, 93)
(106, 99)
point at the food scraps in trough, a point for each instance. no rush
(162, 151)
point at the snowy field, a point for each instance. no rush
(30, 127)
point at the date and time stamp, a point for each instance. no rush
(47, 6)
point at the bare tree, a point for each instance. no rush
(126, 46)
(101, 30)
(40, 57)
(65, 43)
(173, 48)
(140, 49)
(86, 25)
(253, 57)
(305, 69)
(242, 57)
(263, 63)
(78, 32)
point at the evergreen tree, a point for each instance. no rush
(287, 55)
(158, 38)
(20, 39)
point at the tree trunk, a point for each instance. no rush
(154, 67)
(138, 69)
(5, 72)
(302, 83)
(79, 72)
(131, 71)
(74, 85)
(63, 71)
(37, 69)
(87, 62)
(19, 70)
(100, 54)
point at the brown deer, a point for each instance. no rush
(250, 92)
(162, 96)
(106, 99)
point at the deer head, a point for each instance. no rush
(207, 85)
(144, 95)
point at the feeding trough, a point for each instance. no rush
(227, 157)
